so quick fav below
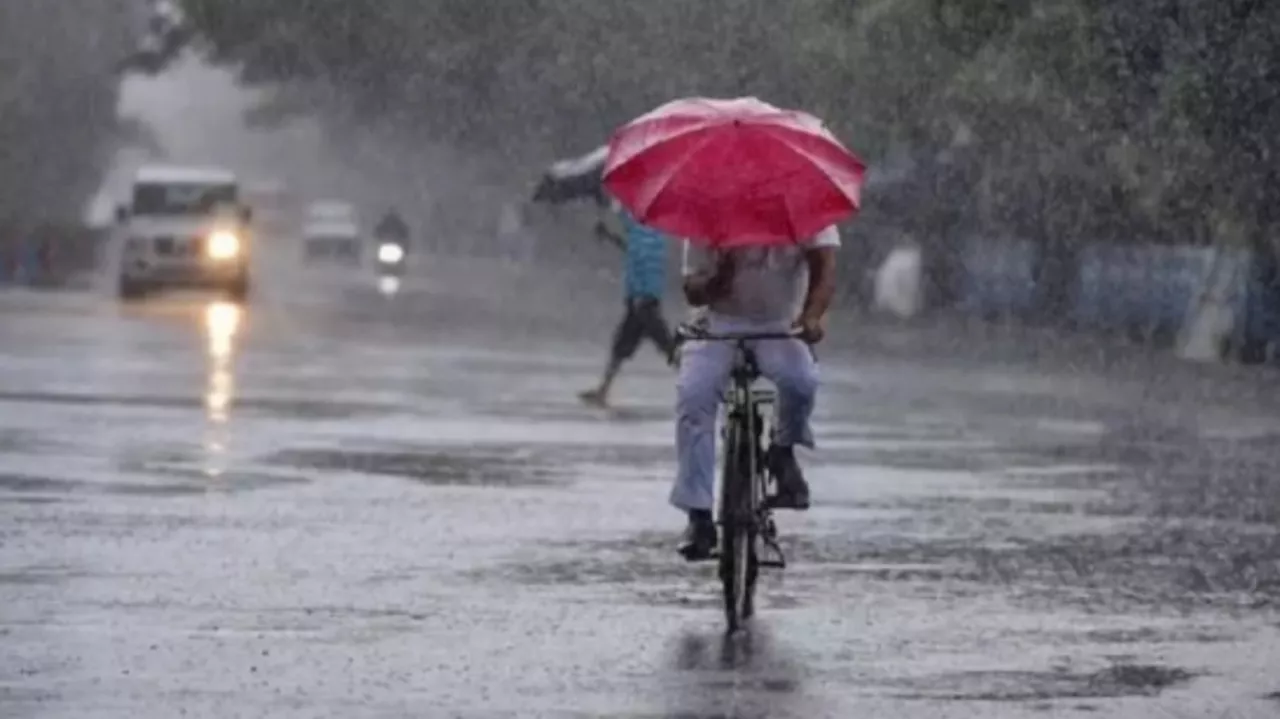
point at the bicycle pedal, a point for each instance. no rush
(776, 557)
(768, 530)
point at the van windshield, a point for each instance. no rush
(188, 198)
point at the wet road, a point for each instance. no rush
(334, 503)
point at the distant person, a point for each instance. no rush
(392, 227)
(645, 280)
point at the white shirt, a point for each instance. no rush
(769, 284)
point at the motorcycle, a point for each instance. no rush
(391, 257)
(392, 236)
(389, 263)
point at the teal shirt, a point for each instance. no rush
(646, 270)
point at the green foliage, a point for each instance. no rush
(1118, 119)
(57, 104)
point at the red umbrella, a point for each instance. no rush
(733, 172)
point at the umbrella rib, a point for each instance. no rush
(816, 160)
(677, 133)
(675, 168)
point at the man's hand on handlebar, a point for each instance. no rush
(811, 328)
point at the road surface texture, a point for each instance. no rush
(334, 503)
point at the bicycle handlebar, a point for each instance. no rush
(689, 332)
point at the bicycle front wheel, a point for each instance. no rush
(738, 575)
(737, 538)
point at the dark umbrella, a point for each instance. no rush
(573, 179)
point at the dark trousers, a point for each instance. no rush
(643, 320)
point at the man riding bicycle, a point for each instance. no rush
(750, 289)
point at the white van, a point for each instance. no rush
(183, 227)
(331, 233)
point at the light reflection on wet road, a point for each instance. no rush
(222, 320)
(349, 506)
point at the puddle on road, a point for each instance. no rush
(745, 663)
(1176, 633)
(18, 440)
(32, 483)
(292, 408)
(326, 623)
(945, 452)
(1144, 515)
(1116, 681)
(470, 466)
(74, 398)
(203, 481)
(521, 408)
(644, 566)
(1148, 566)
(1043, 520)
(981, 544)
(986, 505)
(33, 576)
(505, 464)
(598, 568)
(990, 538)
(18, 487)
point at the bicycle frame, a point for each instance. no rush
(742, 414)
(745, 519)
(741, 494)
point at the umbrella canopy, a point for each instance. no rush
(733, 172)
(573, 179)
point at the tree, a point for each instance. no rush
(57, 105)
(1059, 121)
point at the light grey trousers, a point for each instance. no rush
(704, 375)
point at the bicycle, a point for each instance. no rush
(745, 518)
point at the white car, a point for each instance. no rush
(183, 227)
(331, 233)
(332, 242)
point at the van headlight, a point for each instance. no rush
(222, 245)
(390, 253)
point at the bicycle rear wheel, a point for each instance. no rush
(738, 533)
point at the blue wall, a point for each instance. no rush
(996, 277)
(19, 262)
(66, 251)
(1138, 286)
(1262, 322)
(1117, 288)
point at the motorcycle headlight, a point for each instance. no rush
(222, 245)
(390, 253)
